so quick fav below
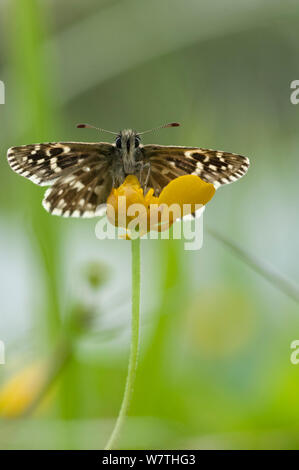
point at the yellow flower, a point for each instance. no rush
(182, 196)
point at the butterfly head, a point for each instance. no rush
(127, 140)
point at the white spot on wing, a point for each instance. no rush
(56, 211)
(78, 185)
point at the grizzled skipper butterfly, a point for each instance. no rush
(82, 175)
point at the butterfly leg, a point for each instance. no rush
(147, 176)
(144, 168)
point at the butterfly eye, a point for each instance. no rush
(137, 141)
(118, 142)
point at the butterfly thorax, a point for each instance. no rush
(127, 143)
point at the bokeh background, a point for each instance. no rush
(214, 367)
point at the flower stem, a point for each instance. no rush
(135, 321)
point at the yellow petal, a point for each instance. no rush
(121, 198)
(187, 189)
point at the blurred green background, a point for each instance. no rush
(214, 368)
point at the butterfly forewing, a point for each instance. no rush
(213, 166)
(78, 172)
(45, 163)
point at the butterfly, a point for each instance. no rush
(81, 175)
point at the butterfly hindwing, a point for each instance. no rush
(80, 193)
(213, 166)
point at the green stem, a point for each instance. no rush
(135, 321)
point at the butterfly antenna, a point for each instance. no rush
(170, 124)
(89, 126)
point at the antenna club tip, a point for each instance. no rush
(80, 126)
(174, 124)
